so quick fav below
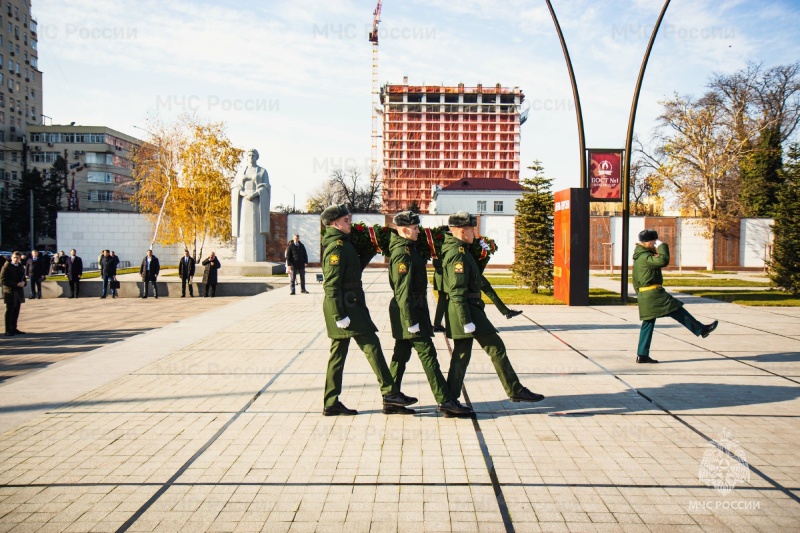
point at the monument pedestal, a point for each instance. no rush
(252, 268)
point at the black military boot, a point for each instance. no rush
(709, 328)
(397, 410)
(398, 399)
(643, 359)
(453, 408)
(512, 313)
(526, 396)
(338, 409)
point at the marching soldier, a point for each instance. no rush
(347, 316)
(410, 318)
(466, 319)
(649, 257)
(486, 288)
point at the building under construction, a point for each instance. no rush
(435, 135)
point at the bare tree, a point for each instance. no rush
(764, 107)
(327, 194)
(700, 154)
(361, 197)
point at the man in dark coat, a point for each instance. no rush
(347, 316)
(109, 272)
(36, 270)
(74, 266)
(186, 267)
(410, 317)
(212, 265)
(297, 259)
(649, 257)
(12, 278)
(149, 272)
(466, 319)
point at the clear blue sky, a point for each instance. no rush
(293, 78)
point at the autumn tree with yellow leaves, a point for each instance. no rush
(184, 178)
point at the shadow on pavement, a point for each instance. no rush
(675, 397)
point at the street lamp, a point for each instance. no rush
(293, 197)
(169, 184)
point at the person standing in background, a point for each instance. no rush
(74, 266)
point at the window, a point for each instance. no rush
(101, 196)
(498, 206)
(481, 206)
(100, 177)
(99, 159)
(33, 44)
(44, 157)
(14, 157)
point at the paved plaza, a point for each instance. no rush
(213, 423)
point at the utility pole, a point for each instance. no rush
(33, 243)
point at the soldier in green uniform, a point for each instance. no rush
(346, 314)
(486, 288)
(466, 319)
(649, 257)
(441, 296)
(410, 318)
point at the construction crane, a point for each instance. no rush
(376, 109)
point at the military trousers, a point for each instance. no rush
(493, 345)
(371, 346)
(430, 364)
(496, 300)
(441, 308)
(681, 315)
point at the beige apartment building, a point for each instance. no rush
(99, 164)
(20, 87)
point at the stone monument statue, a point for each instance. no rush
(250, 211)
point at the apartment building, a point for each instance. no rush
(99, 164)
(20, 87)
(436, 135)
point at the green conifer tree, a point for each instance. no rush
(785, 263)
(533, 261)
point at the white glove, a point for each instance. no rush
(469, 328)
(343, 323)
(658, 243)
(484, 245)
(414, 329)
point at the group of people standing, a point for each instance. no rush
(186, 270)
(347, 315)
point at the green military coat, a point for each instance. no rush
(462, 283)
(647, 265)
(344, 296)
(409, 280)
(437, 275)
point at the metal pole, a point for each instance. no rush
(578, 113)
(626, 206)
(32, 236)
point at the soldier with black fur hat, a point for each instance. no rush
(465, 317)
(649, 257)
(410, 318)
(347, 315)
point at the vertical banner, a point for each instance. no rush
(571, 246)
(605, 175)
(561, 245)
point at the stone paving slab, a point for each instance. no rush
(58, 329)
(213, 424)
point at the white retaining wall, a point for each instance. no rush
(128, 234)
